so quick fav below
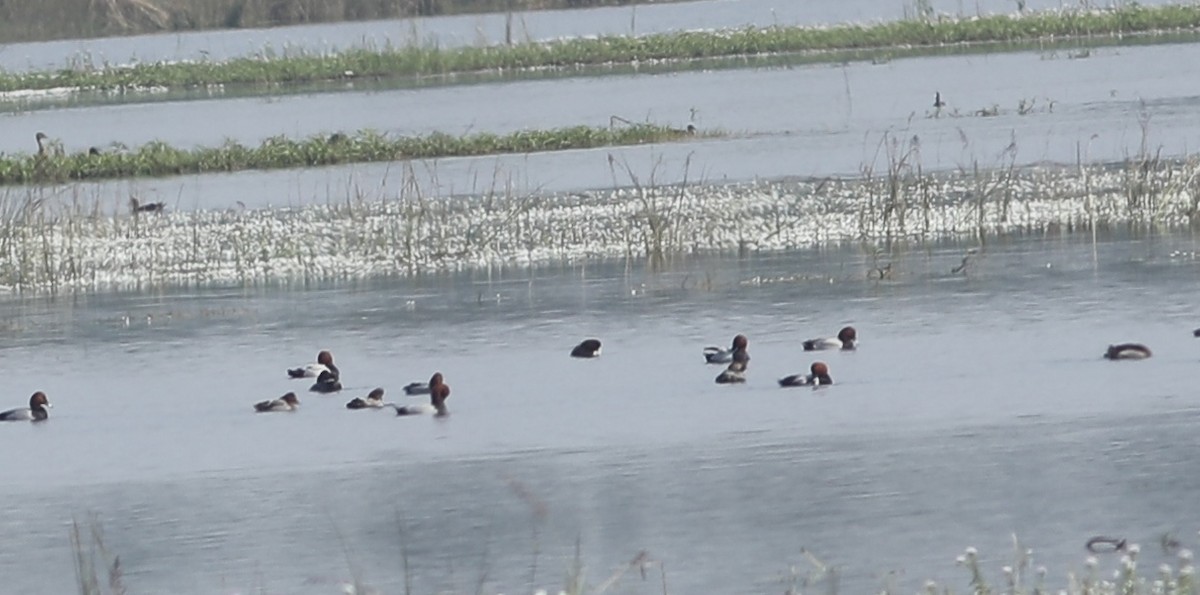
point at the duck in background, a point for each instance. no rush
(734, 374)
(324, 364)
(36, 411)
(587, 348)
(818, 376)
(288, 402)
(327, 382)
(1127, 351)
(846, 339)
(374, 400)
(716, 355)
(439, 391)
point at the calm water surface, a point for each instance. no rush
(807, 121)
(976, 407)
(489, 29)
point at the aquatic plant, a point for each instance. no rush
(67, 242)
(90, 555)
(272, 68)
(161, 159)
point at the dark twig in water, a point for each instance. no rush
(1105, 545)
(1169, 543)
(966, 262)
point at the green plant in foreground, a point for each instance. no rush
(415, 60)
(278, 152)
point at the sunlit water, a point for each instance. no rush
(976, 406)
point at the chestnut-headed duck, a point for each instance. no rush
(588, 348)
(716, 355)
(438, 392)
(819, 376)
(1127, 351)
(36, 411)
(288, 402)
(327, 382)
(373, 401)
(324, 363)
(846, 339)
(734, 374)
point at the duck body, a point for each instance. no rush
(288, 402)
(326, 383)
(587, 348)
(718, 355)
(847, 339)
(1127, 351)
(372, 401)
(818, 376)
(324, 363)
(416, 388)
(734, 374)
(439, 391)
(36, 411)
(140, 207)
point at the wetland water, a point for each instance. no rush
(811, 120)
(451, 31)
(976, 406)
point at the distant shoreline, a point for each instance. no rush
(48, 20)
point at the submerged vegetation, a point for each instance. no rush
(415, 60)
(69, 242)
(160, 159)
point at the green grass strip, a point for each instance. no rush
(161, 159)
(415, 60)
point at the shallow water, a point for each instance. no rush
(977, 406)
(489, 29)
(803, 121)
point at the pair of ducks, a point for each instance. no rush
(329, 381)
(738, 358)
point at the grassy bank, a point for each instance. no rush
(160, 159)
(71, 19)
(429, 61)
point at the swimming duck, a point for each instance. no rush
(327, 382)
(416, 388)
(138, 207)
(588, 348)
(324, 363)
(734, 374)
(287, 402)
(846, 340)
(1127, 351)
(36, 411)
(438, 392)
(373, 401)
(819, 376)
(716, 355)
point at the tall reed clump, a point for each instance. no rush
(417, 60)
(93, 559)
(161, 159)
